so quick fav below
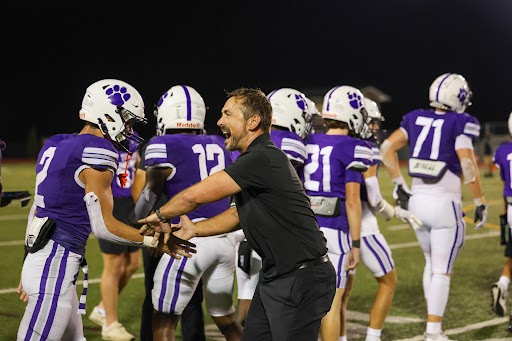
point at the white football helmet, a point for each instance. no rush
(181, 107)
(110, 104)
(311, 113)
(290, 110)
(374, 120)
(510, 123)
(450, 91)
(346, 104)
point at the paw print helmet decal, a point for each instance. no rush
(450, 91)
(114, 106)
(346, 104)
(181, 107)
(290, 110)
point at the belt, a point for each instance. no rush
(314, 262)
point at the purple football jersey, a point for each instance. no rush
(192, 159)
(332, 161)
(431, 138)
(502, 158)
(59, 193)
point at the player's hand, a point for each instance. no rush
(153, 227)
(408, 217)
(480, 216)
(353, 258)
(23, 294)
(401, 194)
(176, 247)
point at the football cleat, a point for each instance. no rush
(498, 299)
(116, 332)
(437, 337)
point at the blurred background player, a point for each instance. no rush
(441, 155)
(7, 197)
(375, 251)
(74, 198)
(333, 180)
(291, 122)
(499, 290)
(120, 262)
(180, 157)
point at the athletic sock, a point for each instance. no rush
(343, 338)
(373, 334)
(434, 328)
(504, 281)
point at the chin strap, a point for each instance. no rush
(122, 177)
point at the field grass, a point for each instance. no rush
(468, 316)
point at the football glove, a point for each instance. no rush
(401, 195)
(408, 217)
(480, 216)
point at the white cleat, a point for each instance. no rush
(96, 317)
(437, 337)
(498, 299)
(116, 332)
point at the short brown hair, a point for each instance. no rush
(255, 102)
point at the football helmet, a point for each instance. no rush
(346, 104)
(374, 120)
(181, 107)
(290, 110)
(450, 91)
(510, 123)
(311, 113)
(111, 104)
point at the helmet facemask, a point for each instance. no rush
(126, 139)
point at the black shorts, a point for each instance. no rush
(508, 248)
(122, 208)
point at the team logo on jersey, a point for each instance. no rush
(117, 95)
(355, 100)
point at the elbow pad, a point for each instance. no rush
(98, 225)
(468, 170)
(145, 204)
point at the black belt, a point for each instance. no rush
(314, 262)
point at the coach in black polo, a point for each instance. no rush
(297, 280)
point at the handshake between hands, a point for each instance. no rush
(171, 238)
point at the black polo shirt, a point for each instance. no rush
(274, 210)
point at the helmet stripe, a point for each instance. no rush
(329, 97)
(272, 94)
(439, 87)
(189, 103)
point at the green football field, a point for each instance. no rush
(468, 315)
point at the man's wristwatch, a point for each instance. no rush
(160, 216)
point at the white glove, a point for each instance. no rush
(408, 217)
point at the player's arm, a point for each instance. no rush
(138, 181)
(471, 176)
(153, 190)
(354, 216)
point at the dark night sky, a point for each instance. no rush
(50, 55)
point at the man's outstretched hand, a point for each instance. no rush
(176, 247)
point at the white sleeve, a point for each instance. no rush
(373, 191)
(463, 142)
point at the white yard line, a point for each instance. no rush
(13, 217)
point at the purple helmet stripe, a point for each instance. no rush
(189, 103)
(439, 87)
(177, 285)
(271, 94)
(56, 293)
(329, 97)
(164, 286)
(42, 288)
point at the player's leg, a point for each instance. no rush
(344, 304)
(376, 256)
(192, 318)
(338, 245)
(219, 285)
(246, 283)
(151, 258)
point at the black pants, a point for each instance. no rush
(192, 319)
(291, 307)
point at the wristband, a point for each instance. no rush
(160, 216)
(147, 242)
(356, 243)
